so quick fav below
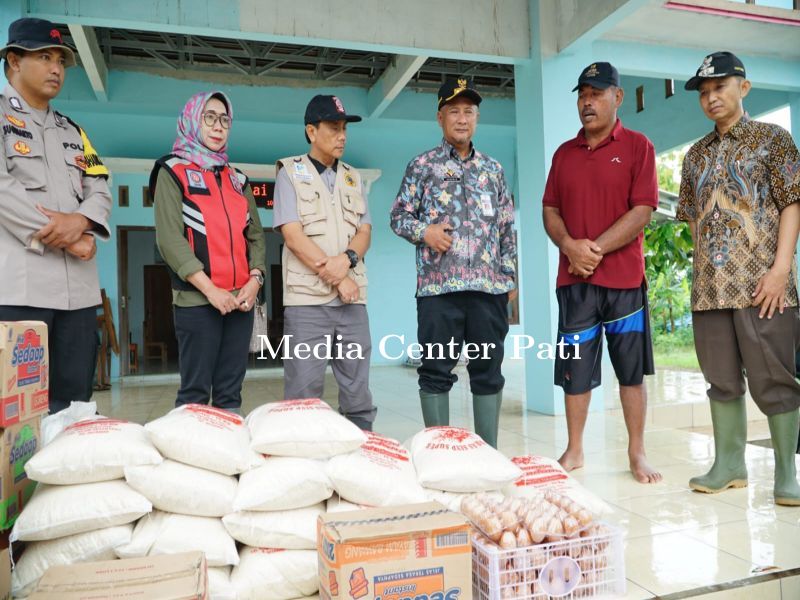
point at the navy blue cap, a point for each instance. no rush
(600, 75)
(327, 108)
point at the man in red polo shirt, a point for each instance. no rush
(600, 194)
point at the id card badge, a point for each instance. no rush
(486, 205)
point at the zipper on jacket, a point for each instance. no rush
(230, 227)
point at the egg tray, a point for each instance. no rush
(584, 567)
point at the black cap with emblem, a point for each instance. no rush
(600, 75)
(327, 108)
(717, 64)
(36, 34)
(458, 87)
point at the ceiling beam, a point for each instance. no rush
(392, 82)
(92, 59)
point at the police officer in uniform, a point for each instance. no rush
(321, 210)
(55, 203)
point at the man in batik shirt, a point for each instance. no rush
(454, 205)
(739, 193)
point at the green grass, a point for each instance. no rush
(676, 358)
(674, 350)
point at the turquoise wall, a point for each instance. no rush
(139, 122)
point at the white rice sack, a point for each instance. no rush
(290, 529)
(457, 460)
(92, 450)
(205, 437)
(219, 584)
(304, 428)
(82, 547)
(54, 424)
(452, 500)
(56, 511)
(283, 483)
(379, 473)
(336, 504)
(178, 488)
(267, 574)
(168, 533)
(540, 474)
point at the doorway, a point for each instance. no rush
(147, 331)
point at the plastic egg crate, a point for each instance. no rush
(589, 566)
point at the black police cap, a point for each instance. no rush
(36, 34)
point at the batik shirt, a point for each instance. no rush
(471, 196)
(734, 188)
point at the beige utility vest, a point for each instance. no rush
(330, 220)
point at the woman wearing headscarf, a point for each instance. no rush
(209, 234)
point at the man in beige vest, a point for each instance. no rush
(321, 211)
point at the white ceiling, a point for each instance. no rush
(656, 24)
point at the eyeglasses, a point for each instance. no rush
(211, 118)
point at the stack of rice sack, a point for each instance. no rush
(277, 503)
(82, 509)
(452, 462)
(193, 488)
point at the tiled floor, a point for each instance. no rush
(675, 540)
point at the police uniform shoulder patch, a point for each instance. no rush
(94, 166)
(15, 103)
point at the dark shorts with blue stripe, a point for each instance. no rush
(584, 312)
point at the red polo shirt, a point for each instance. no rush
(593, 188)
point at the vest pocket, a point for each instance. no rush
(309, 207)
(306, 283)
(353, 207)
(317, 226)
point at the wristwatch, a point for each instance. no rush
(353, 256)
(259, 277)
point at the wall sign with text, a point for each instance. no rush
(264, 193)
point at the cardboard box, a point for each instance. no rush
(17, 444)
(5, 575)
(164, 577)
(23, 371)
(418, 551)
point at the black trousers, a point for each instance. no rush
(463, 317)
(212, 354)
(72, 341)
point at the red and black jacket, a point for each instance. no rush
(215, 219)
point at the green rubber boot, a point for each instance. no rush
(783, 429)
(435, 408)
(730, 437)
(486, 411)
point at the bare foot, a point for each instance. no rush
(643, 472)
(571, 460)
